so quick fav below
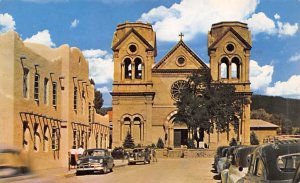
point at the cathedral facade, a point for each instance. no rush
(144, 92)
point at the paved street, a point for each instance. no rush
(165, 171)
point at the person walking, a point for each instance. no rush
(80, 150)
(154, 155)
(73, 157)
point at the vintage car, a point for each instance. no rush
(297, 175)
(275, 162)
(95, 160)
(222, 160)
(218, 155)
(139, 155)
(239, 165)
(14, 167)
(225, 162)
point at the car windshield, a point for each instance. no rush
(95, 153)
(288, 163)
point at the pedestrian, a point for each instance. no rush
(154, 155)
(73, 156)
(80, 150)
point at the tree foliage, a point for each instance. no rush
(280, 119)
(160, 143)
(253, 139)
(233, 142)
(204, 104)
(98, 101)
(128, 142)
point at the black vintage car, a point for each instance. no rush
(218, 155)
(95, 160)
(274, 162)
(139, 155)
(297, 175)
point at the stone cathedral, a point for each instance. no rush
(144, 91)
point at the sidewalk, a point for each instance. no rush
(64, 172)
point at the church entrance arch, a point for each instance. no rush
(176, 133)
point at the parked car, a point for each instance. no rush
(239, 165)
(274, 162)
(222, 160)
(218, 155)
(95, 160)
(139, 155)
(226, 162)
(14, 167)
(297, 175)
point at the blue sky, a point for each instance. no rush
(89, 25)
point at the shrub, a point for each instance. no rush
(160, 143)
(233, 142)
(253, 139)
(128, 142)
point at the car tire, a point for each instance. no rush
(111, 170)
(78, 173)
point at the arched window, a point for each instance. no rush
(138, 68)
(224, 68)
(128, 73)
(127, 125)
(137, 131)
(235, 67)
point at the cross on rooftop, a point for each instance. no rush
(181, 35)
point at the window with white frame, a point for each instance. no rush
(36, 87)
(55, 140)
(46, 91)
(75, 99)
(54, 94)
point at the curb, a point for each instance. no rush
(73, 174)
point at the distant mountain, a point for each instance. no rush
(278, 105)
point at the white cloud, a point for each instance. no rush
(286, 29)
(192, 17)
(74, 23)
(295, 58)
(260, 76)
(289, 88)
(42, 37)
(104, 89)
(261, 23)
(101, 65)
(277, 16)
(7, 23)
(195, 16)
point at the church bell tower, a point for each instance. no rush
(229, 45)
(134, 50)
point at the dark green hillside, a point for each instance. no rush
(278, 105)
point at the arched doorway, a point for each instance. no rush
(176, 133)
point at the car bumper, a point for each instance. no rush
(89, 167)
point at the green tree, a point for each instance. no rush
(160, 143)
(253, 139)
(128, 142)
(233, 142)
(204, 104)
(98, 101)
(260, 114)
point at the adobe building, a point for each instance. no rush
(47, 102)
(263, 129)
(145, 91)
